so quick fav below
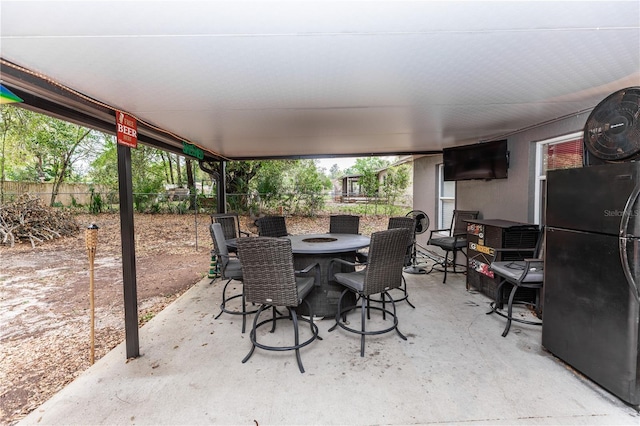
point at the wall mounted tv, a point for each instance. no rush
(485, 160)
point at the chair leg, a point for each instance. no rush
(244, 311)
(446, 257)
(510, 311)
(252, 334)
(497, 303)
(241, 311)
(383, 295)
(293, 317)
(311, 324)
(273, 324)
(395, 319)
(406, 293)
(365, 300)
(364, 309)
(224, 298)
(296, 335)
(339, 311)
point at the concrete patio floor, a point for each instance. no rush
(455, 368)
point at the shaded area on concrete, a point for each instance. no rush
(454, 368)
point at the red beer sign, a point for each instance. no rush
(126, 130)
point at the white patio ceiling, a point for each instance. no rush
(317, 78)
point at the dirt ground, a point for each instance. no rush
(45, 309)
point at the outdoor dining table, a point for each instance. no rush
(321, 248)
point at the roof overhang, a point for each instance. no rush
(308, 79)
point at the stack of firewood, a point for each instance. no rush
(28, 219)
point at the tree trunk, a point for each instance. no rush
(66, 163)
(191, 184)
(54, 191)
(39, 168)
(170, 169)
(178, 171)
(164, 166)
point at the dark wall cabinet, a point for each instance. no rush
(484, 235)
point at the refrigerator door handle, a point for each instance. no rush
(624, 240)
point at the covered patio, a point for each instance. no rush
(455, 368)
(310, 80)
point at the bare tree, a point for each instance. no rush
(57, 145)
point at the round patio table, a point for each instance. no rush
(321, 248)
(327, 243)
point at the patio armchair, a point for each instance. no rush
(230, 270)
(230, 223)
(270, 280)
(453, 239)
(525, 273)
(272, 226)
(382, 273)
(395, 223)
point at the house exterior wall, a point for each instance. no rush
(508, 199)
(513, 198)
(349, 186)
(501, 198)
(425, 190)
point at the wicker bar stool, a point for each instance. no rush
(230, 269)
(409, 223)
(382, 273)
(270, 280)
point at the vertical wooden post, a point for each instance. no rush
(128, 253)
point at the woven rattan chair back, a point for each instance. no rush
(272, 226)
(344, 224)
(386, 260)
(402, 222)
(459, 224)
(267, 268)
(219, 244)
(408, 223)
(229, 223)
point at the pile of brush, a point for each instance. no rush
(28, 219)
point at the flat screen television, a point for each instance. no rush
(486, 160)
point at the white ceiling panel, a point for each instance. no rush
(316, 78)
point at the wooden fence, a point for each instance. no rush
(68, 191)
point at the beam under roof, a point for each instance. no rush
(45, 96)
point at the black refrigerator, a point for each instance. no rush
(592, 272)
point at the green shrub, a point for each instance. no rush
(97, 204)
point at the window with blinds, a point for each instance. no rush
(563, 155)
